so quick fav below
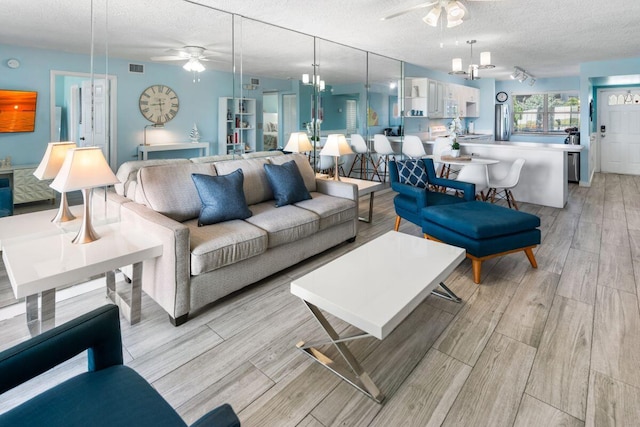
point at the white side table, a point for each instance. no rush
(38, 264)
(364, 187)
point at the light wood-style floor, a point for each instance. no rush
(559, 345)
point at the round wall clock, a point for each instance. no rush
(502, 96)
(159, 104)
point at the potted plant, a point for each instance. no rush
(455, 148)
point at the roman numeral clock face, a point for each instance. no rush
(159, 104)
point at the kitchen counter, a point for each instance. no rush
(544, 176)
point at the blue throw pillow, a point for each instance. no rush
(286, 183)
(412, 172)
(222, 197)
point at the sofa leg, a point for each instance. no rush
(351, 240)
(532, 258)
(397, 226)
(476, 266)
(177, 321)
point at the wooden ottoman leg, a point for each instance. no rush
(397, 226)
(531, 257)
(476, 265)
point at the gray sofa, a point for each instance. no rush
(199, 265)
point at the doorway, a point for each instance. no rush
(71, 91)
(289, 117)
(270, 120)
(618, 128)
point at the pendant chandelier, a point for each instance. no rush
(472, 71)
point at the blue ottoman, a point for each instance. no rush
(485, 230)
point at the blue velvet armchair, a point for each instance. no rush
(109, 394)
(6, 198)
(411, 198)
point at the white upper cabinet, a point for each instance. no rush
(437, 100)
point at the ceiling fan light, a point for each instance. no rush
(432, 17)
(455, 10)
(451, 24)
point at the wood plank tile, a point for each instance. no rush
(592, 210)
(614, 232)
(309, 421)
(492, 393)
(526, 315)
(389, 364)
(461, 283)
(512, 267)
(634, 243)
(616, 341)
(425, 398)
(614, 210)
(534, 413)
(615, 268)
(552, 253)
(560, 373)
(579, 276)
(587, 237)
(633, 218)
(467, 335)
(611, 402)
(239, 388)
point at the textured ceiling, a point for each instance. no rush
(548, 38)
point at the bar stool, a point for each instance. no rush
(362, 157)
(383, 148)
(505, 184)
(412, 147)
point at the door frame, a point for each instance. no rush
(113, 107)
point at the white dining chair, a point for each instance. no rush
(505, 184)
(412, 147)
(441, 147)
(383, 149)
(363, 159)
(475, 174)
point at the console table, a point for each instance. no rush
(25, 186)
(144, 150)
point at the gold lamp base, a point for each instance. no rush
(86, 234)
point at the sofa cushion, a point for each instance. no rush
(169, 189)
(412, 172)
(256, 187)
(222, 197)
(128, 171)
(286, 183)
(331, 210)
(284, 225)
(308, 175)
(225, 243)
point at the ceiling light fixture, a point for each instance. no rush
(306, 80)
(522, 76)
(472, 70)
(454, 12)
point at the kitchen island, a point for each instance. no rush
(544, 177)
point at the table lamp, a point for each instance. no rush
(83, 169)
(336, 146)
(298, 143)
(49, 168)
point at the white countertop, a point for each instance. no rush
(519, 144)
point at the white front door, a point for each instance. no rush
(289, 117)
(94, 123)
(619, 130)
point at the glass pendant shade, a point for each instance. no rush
(485, 58)
(432, 17)
(456, 65)
(305, 79)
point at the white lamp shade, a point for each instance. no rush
(454, 23)
(456, 64)
(336, 146)
(455, 11)
(485, 58)
(83, 168)
(432, 16)
(298, 142)
(53, 159)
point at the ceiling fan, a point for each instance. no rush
(192, 54)
(454, 11)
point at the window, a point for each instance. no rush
(546, 112)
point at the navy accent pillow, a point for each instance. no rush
(412, 172)
(286, 183)
(222, 197)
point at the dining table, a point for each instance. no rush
(448, 161)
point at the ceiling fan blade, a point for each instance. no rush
(168, 58)
(411, 9)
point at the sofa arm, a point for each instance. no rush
(98, 331)
(345, 190)
(468, 188)
(417, 193)
(167, 278)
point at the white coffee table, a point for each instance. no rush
(374, 288)
(365, 187)
(40, 263)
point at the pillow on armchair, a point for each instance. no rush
(412, 172)
(222, 197)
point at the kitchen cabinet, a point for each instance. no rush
(435, 99)
(469, 101)
(236, 125)
(438, 100)
(415, 100)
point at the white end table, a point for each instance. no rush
(374, 288)
(38, 264)
(364, 187)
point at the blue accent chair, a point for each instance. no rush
(484, 230)
(109, 394)
(6, 198)
(411, 199)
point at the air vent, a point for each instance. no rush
(255, 82)
(136, 68)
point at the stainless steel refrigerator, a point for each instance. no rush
(503, 122)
